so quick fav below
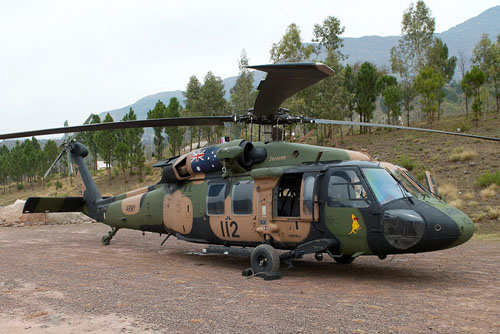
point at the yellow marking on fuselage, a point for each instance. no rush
(355, 225)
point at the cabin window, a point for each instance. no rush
(288, 196)
(346, 190)
(242, 198)
(215, 199)
(309, 194)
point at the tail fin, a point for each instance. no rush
(91, 194)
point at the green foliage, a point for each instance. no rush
(405, 161)
(90, 140)
(213, 103)
(392, 96)
(159, 111)
(471, 84)
(290, 48)
(366, 90)
(175, 133)
(409, 56)
(487, 178)
(106, 144)
(417, 30)
(193, 104)
(437, 58)
(243, 94)
(428, 84)
(487, 57)
(58, 185)
(327, 35)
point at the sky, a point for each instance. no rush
(62, 60)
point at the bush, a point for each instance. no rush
(58, 185)
(20, 186)
(405, 161)
(487, 178)
(462, 154)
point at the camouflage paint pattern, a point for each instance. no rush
(180, 207)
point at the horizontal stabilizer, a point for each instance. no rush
(53, 204)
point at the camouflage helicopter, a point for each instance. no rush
(273, 195)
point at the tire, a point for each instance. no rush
(344, 259)
(264, 258)
(105, 240)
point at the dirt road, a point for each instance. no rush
(59, 279)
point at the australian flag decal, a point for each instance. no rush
(205, 160)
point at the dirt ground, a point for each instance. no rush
(60, 279)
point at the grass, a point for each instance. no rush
(489, 192)
(462, 154)
(448, 191)
(487, 179)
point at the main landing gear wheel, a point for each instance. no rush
(343, 259)
(265, 259)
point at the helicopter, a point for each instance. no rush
(273, 195)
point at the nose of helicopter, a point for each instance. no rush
(448, 226)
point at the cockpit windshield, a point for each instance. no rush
(411, 184)
(384, 186)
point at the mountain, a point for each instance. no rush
(462, 37)
(142, 106)
(375, 49)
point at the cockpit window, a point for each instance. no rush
(346, 190)
(383, 185)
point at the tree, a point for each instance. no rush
(193, 104)
(473, 80)
(392, 97)
(494, 71)
(132, 139)
(89, 139)
(175, 133)
(243, 94)
(290, 48)
(428, 84)
(106, 145)
(212, 103)
(483, 59)
(437, 58)
(4, 166)
(16, 163)
(138, 159)
(463, 63)
(409, 56)
(366, 91)
(487, 57)
(350, 87)
(388, 87)
(159, 111)
(328, 34)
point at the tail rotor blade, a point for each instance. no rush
(55, 161)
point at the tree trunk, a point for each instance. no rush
(466, 106)
(439, 110)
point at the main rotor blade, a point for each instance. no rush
(283, 81)
(144, 123)
(375, 125)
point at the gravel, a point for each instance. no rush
(60, 279)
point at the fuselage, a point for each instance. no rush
(293, 196)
